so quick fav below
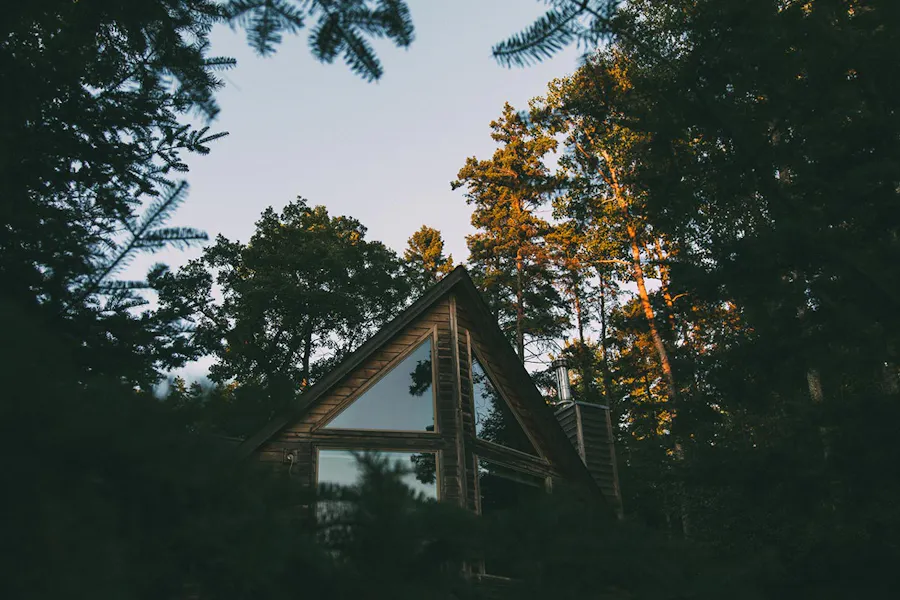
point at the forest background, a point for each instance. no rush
(702, 217)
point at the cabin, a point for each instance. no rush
(442, 390)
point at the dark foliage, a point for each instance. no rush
(584, 22)
(754, 387)
(307, 288)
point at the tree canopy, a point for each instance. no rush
(507, 253)
(305, 290)
(703, 218)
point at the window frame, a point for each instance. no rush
(546, 487)
(431, 337)
(397, 450)
(474, 354)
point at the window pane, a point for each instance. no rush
(494, 420)
(341, 467)
(401, 400)
(501, 488)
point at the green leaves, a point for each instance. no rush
(307, 287)
(265, 20)
(342, 26)
(425, 262)
(179, 237)
(739, 194)
(105, 123)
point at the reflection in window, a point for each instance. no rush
(402, 400)
(494, 420)
(341, 467)
(501, 488)
(360, 476)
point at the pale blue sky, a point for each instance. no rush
(383, 152)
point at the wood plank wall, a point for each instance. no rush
(456, 337)
(305, 435)
(598, 450)
(471, 342)
(589, 429)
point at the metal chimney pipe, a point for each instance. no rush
(563, 391)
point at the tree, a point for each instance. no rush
(306, 287)
(508, 255)
(158, 509)
(568, 244)
(605, 152)
(91, 147)
(341, 29)
(424, 258)
(761, 172)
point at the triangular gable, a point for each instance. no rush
(496, 420)
(353, 362)
(491, 347)
(456, 298)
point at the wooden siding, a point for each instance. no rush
(461, 463)
(598, 452)
(567, 417)
(300, 466)
(467, 418)
(589, 429)
(307, 433)
(455, 318)
(471, 344)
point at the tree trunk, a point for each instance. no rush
(307, 356)
(664, 282)
(520, 308)
(607, 379)
(682, 494)
(584, 358)
(638, 273)
(576, 300)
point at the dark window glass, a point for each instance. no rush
(494, 420)
(500, 489)
(402, 400)
(341, 467)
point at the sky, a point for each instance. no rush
(382, 152)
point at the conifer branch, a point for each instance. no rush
(556, 29)
(144, 235)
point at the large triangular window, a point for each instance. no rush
(401, 400)
(494, 420)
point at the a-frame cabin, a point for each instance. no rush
(441, 388)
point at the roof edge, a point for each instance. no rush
(355, 359)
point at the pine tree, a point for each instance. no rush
(761, 229)
(508, 255)
(112, 97)
(424, 258)
(582, 22)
